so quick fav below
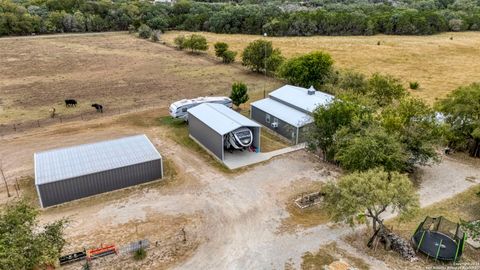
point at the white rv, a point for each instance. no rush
(178, 109)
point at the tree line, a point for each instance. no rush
(21, 17)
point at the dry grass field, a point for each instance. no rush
(438, 63)
(117, 70)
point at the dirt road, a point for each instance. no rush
(232, 220)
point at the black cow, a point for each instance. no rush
(98, 107)
(70, 103)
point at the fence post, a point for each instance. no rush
(38, 123)
(14, 128)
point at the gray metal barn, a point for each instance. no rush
(208, 124)
(288, 111)
(71, 173)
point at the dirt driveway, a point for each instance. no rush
(232, 220)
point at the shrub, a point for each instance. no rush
(220, 48)
(140, 254)
(414, 85)
(155, 36)
(239, 93)
(229, 57)
(195, 43)
(180, 42)
(131, 29)
(260, 56)
(144, 31)
(307, 70)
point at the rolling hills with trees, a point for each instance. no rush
(361, 17)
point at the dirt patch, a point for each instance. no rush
(331, 254)
(307, 217)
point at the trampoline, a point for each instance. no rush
(439, 238)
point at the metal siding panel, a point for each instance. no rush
(206, 136)
(284, 129)
(89, 185)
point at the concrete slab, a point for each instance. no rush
(239, 159)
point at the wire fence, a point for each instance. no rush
(17, 127)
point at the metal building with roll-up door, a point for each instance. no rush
(210, 125)
(71, 173)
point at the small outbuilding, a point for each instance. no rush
(288, 111)
(218, 128)
(71, 173)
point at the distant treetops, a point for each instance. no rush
(278, 18)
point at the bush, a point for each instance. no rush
(180, 42)
(221, 50)
(131, 29)
(307, 70)
(229, 57)
(414, 85)
(144, 31)
(140, 254)
(155, 37)
(260, 56)
(193, 42)
(239, 93)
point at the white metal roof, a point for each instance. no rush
(299, 97)
(64, 163)
(221, 118)
(198, 100)
(283, 112)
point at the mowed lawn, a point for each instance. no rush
(440, 63)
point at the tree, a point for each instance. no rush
(414, 123)
(220, 48)
(369, 148)
(195, 43)
(259, 56)
(384, 89)
(23, 245)
(369, 194)
(307, 70)
(229, 57)
(331, 118)
(462, 116)
(180, 42)
(239, 94)
(222, 51)
(144, 31)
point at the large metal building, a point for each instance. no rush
(288, 111)
(71, 173)
(210, 123)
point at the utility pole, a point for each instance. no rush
(265, 65)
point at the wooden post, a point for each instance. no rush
(4, 179)
(18, 185)
(184, 235)
(14, 127)
(38, 123)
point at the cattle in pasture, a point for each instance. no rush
(98, 107)
(70, 103)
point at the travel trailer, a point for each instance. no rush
(178, 109)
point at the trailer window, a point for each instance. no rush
(267, 118)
